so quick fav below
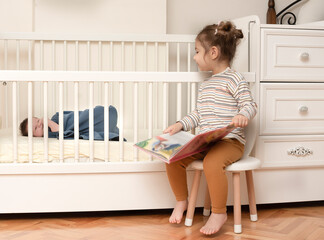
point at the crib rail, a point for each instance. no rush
(41, 51)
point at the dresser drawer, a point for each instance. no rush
(291, 108)
(290, 151)
(292, 55)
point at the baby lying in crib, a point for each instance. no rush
(53, 125)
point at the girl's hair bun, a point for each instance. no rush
(224, 35)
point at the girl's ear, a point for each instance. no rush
(214, 51)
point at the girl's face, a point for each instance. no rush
(202, 58)
(38, 127)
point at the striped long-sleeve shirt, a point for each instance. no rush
(220, 98)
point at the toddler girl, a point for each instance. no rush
(223, 99)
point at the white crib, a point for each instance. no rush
(150, 79)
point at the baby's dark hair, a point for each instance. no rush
(23, 127)
(223, 35)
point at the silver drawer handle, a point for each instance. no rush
(300, 151)
(304, 56)
(303, 109)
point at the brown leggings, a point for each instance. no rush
(222, 154)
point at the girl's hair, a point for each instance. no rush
(23, 127)
(223, 35)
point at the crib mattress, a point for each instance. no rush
(6, 150)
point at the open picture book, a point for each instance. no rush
(182, 144)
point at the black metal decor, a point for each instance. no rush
(292, 19)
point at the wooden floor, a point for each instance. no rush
(281, 221)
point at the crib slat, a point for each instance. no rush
(179, 88)
(145, 99)
(76, 107)
(167, 57)
(65, 68)
(178, 57)
(17, 54)
(14, 122)
(30, 120)
(111, 56)
(18, 68)
(91, 122)
(135, 91)
(123, 56)
(179, 101)
(45, 123)
(77, 55)
(135, 99)
(76, 121)
(150, 109)
(193, 100)
(106, 121)
(5, 43)
(134, 56)
(165, 105)
(41, 55)
(150, 112)
(188, 84)
(54, 102)
(64, 55)
(88, 56)
(6, 89)
(100, 85)
(61, 122)
(145, 56)
(29, 55)
(121, 121)
(155, 89)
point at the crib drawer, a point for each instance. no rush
(291, 151)
(292, 55)
(292, 108)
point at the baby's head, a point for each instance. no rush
(224, 36)
(37, 127)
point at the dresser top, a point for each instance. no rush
(311, 26)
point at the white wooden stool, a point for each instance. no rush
(246, 164)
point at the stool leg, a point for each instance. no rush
(251, 194)
(193, 198)
(237, 203)
(207, 203)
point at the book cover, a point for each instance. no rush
(182, 144)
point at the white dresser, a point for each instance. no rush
(290, 141)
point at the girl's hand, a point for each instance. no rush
(240, 121)
(53, 126)
(173, 128)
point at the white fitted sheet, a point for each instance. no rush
(6, 150)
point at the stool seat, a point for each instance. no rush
(244, 164)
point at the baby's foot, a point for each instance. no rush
(214, 223)
(178, 210)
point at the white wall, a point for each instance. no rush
(100, 16)
(83, 16)
(126, 16)
(190, 16)
(16, 15)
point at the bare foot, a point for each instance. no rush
(178, 210)
(214, 223)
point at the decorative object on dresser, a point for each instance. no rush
(271, 13)
(292, 19)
